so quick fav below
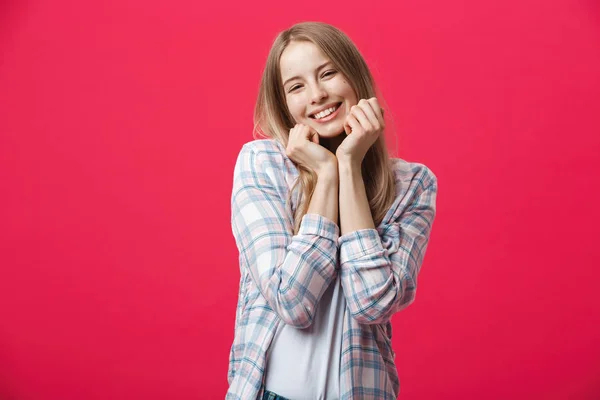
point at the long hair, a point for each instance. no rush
(272, 118)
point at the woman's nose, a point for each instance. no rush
(317, 94)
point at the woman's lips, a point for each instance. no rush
(330, 116)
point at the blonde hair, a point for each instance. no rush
(272, 118)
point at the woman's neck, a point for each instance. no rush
(332, 144)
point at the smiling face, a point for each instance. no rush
(316, 93)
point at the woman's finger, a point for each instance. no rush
(351, 124)
(377, 109)
(367, 108)
(360, 115)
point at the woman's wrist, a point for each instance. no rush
(329, 172)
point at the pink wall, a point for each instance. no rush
(120, 122)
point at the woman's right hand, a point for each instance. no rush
(303, 148)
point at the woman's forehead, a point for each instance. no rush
(299, 57)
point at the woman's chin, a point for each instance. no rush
(330, 131)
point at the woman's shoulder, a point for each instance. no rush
(264, 153)
(264, 156)
(409, 173)
(416, 184)
(267, 146)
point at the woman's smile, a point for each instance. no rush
(327, 115)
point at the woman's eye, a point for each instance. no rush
(328, 73)
(294, 88)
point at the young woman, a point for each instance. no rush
(331, 231)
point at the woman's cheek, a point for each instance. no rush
(291, 106)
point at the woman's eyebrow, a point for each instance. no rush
(297, 77)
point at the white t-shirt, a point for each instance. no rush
(304, 364)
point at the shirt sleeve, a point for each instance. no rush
(291, 271)
(379, 267)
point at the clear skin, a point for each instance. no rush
(337, 162)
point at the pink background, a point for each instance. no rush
(120, 123)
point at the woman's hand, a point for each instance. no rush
(363, 125)
(303, 148)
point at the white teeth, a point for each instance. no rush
(325, 113)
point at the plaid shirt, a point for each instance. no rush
(283, 276)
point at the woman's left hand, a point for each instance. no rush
(363, 125)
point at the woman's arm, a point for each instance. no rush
(291, 272)
(355, 213)
(379, 269)
(324, 200)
